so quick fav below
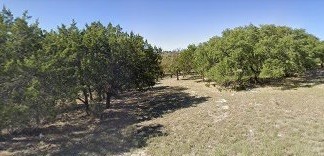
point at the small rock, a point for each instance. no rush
(225, 107)
(41, 136)
(257, 104)
(251, 133)
(141, 133)
(221, 101)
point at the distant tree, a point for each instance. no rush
(185, 59)
(205, 56)
(166, 63)
(170, 63)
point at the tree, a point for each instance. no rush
(205, 56)
(236, 56)
(100, 58)
(249, 54)
(170, 64)
(25, 100)
(319, 53)
(185, 59)
(175, 65)
(42, 70)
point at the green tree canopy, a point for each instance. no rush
(248, 54)
(41, 70)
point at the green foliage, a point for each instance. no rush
(247, 54)
(204, 58)
(13, 116)
(272, 69)
(25, 100)
(185, 59)
(319, 54)
(40, 69)
(170, 63)
(220, 73)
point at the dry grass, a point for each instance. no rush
(115, 131)
(262, 121)
(187, 118)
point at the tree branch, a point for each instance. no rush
(81, 100)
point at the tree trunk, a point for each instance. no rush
(108, 97)
(99, 92)
(90, 92)
(177, 75)
(256, 79)
(203, 77)
(37, 118)
(170, 75)
(322, 65)
(103, 95)
(86, 101)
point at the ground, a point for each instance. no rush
(189, 117)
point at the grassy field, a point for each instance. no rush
(186, 117)
(262, 121)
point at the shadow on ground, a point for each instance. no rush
(118, 130)
(192, 77)
(310, 79)
(196, 78)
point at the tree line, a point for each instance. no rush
(249, 55)
(43, 70)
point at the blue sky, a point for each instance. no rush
(172, 24)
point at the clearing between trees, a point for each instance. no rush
(186, 117)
